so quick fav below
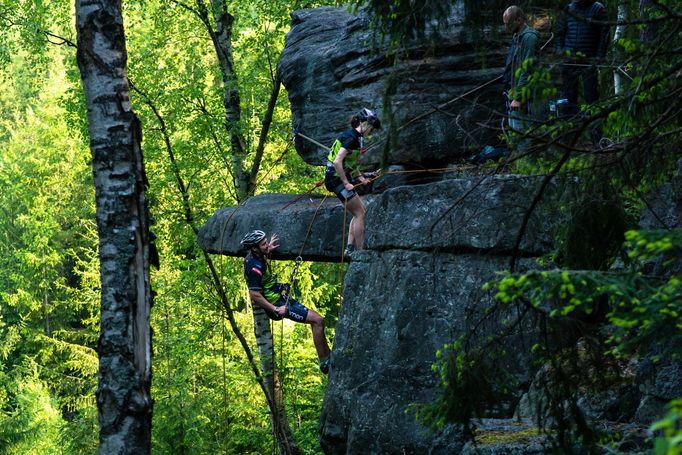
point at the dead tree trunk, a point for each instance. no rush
(123, 393)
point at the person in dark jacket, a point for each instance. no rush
(519, 65)
(582, 36)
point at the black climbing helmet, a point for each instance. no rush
(370, 117)
(253, 238)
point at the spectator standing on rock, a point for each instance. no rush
(266, 292)
(582, 38)
(519, 66)
(342, 175)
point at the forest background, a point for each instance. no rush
(206, 398)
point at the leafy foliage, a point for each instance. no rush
(206, 398)
(591, 322)
(611, 303)
(669, 439)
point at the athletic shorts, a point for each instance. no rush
(296, 311)
(335, 185)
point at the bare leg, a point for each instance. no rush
(357, 226)
(351, 232)
(319, 339)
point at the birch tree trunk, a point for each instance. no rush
(620, 29)
(280, 423)
(245, 182)
(123, 393)
(222, 42)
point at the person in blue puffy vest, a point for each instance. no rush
(582, 36)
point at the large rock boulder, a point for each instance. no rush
(333, 65)
(430, 248)
(416, 287)
(482, 214)
(310, 226)
(473, 214)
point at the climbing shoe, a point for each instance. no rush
(350, 249)
(324, 364)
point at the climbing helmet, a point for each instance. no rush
(253, 238)
(370, 117)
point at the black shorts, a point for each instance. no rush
(336, 186)
(296, 311)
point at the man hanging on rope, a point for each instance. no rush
(274, 297)
(341, 164)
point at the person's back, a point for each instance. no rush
(582, 32)
(579, 30)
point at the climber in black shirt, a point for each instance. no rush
(274, 297)
(342, 167)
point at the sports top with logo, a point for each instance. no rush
(259, 277)
(351, 140)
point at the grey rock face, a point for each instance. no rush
(665, 207)
(331, 70)
(463, 215)
(414, 289)
(659, 384)
(311, 226)
(399, 308)
(458, 215)
(668, 384)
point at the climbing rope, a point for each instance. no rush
(280, 158)
(343, 244)
(309, 139)
(317, 185)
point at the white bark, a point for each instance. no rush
(620, 29)
(123, 397)
(273, 387)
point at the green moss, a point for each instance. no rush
(506, 436)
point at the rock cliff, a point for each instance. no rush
(332, 66)
(416, 287)
(429, 247)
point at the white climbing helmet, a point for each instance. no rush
(253, 238)
(367, 115)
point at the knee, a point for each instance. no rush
(315, 319)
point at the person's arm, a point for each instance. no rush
(258, 298)
(338, 165)
(527, 53)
